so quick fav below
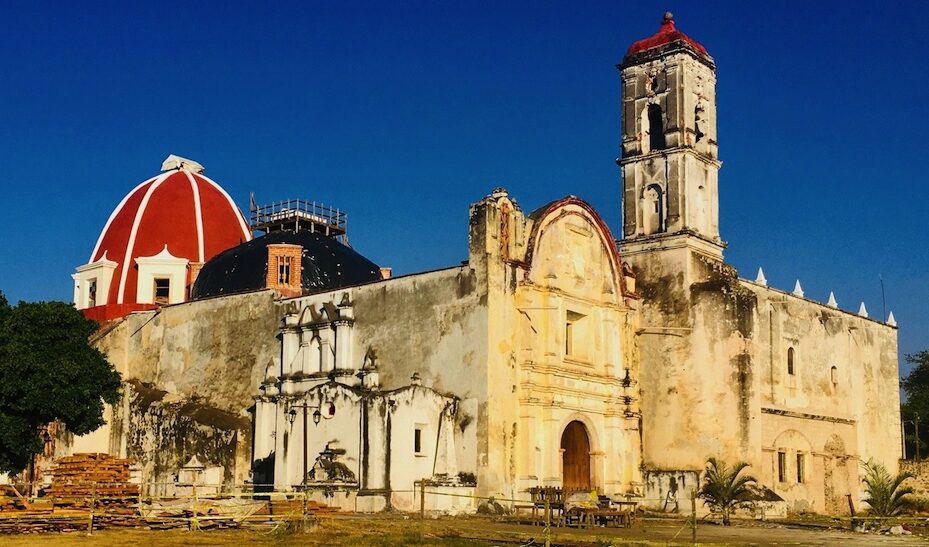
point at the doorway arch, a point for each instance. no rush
(575, 457)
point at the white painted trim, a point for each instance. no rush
(127, 262)
(104, 261)
(163, 255)
(102, 271)
(245, 230)
(163, 264)
(199, 213)
(116, 211)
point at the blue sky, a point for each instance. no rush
(404, 113)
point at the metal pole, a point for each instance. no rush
(93, 500)
(422, 498)
(194, 523)
(883, 300)
(548, 522)
(903, 435)
(917, 437)
(693, 516)
(305, 440)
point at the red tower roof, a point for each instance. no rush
(665, 35)
(180, 211)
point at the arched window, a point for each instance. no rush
(834, 376)
(656, 139)
(698, 117)
(653, 210)
(790, 361)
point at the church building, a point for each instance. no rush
(275, 356)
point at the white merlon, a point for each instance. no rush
(891, 320)
(177, 162)
(832, 303)
(760, 278)
(863, 311)
(798, 290)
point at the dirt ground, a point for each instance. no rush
(399, 530)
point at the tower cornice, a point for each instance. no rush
(667, 152)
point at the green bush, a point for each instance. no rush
(726, 489)
(886, 494)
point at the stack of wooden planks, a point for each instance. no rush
(294, 507)
(99, 479)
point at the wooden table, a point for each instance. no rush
(620, 513)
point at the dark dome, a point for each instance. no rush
(326, 264)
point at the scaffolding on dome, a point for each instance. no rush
(299, 214)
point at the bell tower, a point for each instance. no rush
(669, 149)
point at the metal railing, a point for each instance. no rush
(315, 216)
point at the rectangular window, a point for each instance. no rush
(92, 293)
(162, 291)
(800, 467)
(781, 466)
(574, 338)
(283, 270)
(418, 440)
(569, 338)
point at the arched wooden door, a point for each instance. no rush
(575, 457)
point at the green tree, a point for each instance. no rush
(886, 494)
(726, 489)
(916, 408)
(48, 371)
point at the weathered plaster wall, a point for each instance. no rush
(432, 324)
(190, 371)
(557, 267)
(695, 379)
(715, 381)
(842, 398)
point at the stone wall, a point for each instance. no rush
(920, 481)
(190, 372)
(715, 379)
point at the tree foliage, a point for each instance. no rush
(886, 494)
(916, 408)
(725, 489)
(48, 371)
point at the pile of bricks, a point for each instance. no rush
(99, 479)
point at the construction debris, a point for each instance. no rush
(93, 480)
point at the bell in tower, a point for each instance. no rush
(669, 150)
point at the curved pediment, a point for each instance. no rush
(572, 250)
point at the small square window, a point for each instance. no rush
(162, 291)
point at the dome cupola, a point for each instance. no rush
(666, 39)
(156, 240)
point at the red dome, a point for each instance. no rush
(665, 35)
(180, 213)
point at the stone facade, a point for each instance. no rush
(920, 480)
(544, 359)
(731, 368)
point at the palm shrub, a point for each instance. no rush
(725, 488)
(886, 494)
